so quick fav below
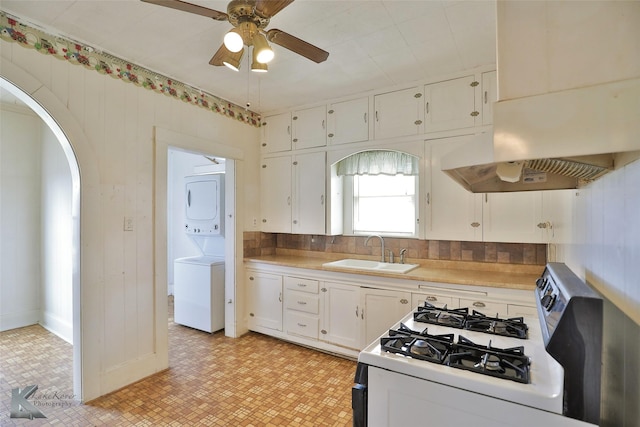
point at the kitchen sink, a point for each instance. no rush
(363, 264)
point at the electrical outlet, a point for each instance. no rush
(128, 223)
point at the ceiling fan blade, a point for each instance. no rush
(298, 46)
(217, 58)
(191, 8)
(268, 8)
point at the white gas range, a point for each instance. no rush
(452, 366)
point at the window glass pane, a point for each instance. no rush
(384, 204)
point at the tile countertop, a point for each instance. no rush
(509, 276)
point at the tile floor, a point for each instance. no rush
(213, 380)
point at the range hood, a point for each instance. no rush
(557, 140)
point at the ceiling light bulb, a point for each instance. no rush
(262, 52)
(256, 66)
(233, 41)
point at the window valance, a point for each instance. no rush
(378, 162)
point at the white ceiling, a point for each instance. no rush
(372, 44)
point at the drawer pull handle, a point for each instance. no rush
(479, 304)
(302, 325)
(431, 298)
(302, 285)
(302, 302)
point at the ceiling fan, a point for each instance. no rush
(249, 19)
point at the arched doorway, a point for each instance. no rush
(67, 149)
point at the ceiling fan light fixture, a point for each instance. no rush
(262, 52)
(256, 66)
(232, 60)
(233, 40)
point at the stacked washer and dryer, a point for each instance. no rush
(199, 280)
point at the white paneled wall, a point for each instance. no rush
(56, 243)
(20, 149)
(606, 246)
(110, 125)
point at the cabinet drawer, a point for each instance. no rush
(436, 300)
(488, 308)
(300, 284)
(302, 324)
(301, 301)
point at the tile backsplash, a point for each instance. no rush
(259, 244)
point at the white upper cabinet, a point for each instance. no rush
(276, 190)
(348, 121)
(309, 207)
(513, 217)
(450, 104)
(276, 136)
(293, 194)
(398, 113)
(453, 213)
(309, 127)
(489, 96)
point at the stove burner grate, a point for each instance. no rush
(512, 327)
(429, 313)
(511, 363)
(417, 344)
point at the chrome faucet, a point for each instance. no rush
(381, 244)
(402, 252)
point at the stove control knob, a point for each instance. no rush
(548, 301)
(541, 282)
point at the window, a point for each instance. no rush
(380, 193)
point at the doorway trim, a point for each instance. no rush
(36, 102)
(163, 140)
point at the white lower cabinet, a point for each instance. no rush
(264, 302)
(302, 306)
(382, 309)
(341, 315)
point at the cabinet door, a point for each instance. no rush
(309, 127)
(348, 121)
(557, 216)
(309, 214)
(382, 309)
(512, 217)
(264, 300)
(489, 96)
(275, 194)
(397, 113)
(341, 311)
(454, 213)
(450, 104)
(277, 133)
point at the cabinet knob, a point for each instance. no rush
(404, 301)
(417, 122)
(330, 111)
(479, 304)
(264, 220)
(264, 166)
(251, 278)
(295, 163)
(474, 113)
(431, 298)
(474, 83)
(417, 95)
(264, 144)
(324, 332)
(295, 139)
(545, 225)
(294, 118)
(295, 221)
(330, 135)
(475, 224)
(324, 289)
(251, 315)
